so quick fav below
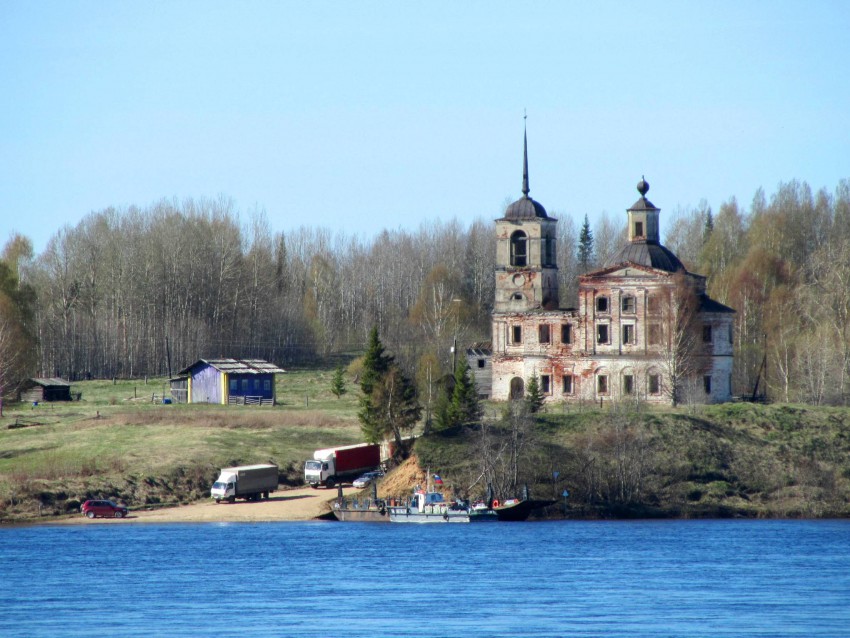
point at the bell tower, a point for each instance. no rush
(526, 268)
(643, 217)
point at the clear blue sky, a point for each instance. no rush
(362, 116)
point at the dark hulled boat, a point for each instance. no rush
(513, 510)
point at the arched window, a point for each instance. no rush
(519, 249)
(517, 388)
(602, 384)
(603, 387)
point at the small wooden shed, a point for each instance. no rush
(227, 381)
(43, 390)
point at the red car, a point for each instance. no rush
(90, 509)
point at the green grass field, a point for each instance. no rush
(117, 432)
(726, 460)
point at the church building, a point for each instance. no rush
(644, 328)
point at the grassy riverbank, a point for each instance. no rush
(729, 460)
(116, 442)
(716, 461)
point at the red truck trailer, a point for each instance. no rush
(335, 465)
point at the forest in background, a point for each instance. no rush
(133, 292)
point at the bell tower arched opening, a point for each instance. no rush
(519, 249)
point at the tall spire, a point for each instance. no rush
(525, 207)
(525, 189)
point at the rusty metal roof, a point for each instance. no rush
(237, 366)
(52, 381)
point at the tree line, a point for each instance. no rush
(784, 265)
(147, 291)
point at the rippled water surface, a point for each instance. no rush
(322, 579)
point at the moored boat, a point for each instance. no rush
(366, 512)
(513, 509)
(427, 506)
(432, 507)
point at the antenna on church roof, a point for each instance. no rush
(525, 189)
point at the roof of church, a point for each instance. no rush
(525, 208)
(707, 304)
(647, 254)
(643, 203)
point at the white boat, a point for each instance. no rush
(432, 507)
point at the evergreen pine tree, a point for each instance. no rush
(375, 363)
(465, 407)
(391, 409)
(443, 416)
(370, 422)
(338, 382)
(389, 404)
(533, 394)
(708, 227)
(585, 246)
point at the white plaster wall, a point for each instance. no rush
(721, 373)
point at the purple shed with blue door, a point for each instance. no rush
(229, 381)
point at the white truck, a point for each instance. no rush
(331, 466)
(251, 482)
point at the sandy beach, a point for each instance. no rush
(298, 504)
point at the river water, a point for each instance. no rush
(326, 579)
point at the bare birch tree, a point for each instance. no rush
(681, 337)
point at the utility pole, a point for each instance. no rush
(454, 355)
(455, 305)
(168, 356)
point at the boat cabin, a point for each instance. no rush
(430, 500)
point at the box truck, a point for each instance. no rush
(251, 482)
(335, 465)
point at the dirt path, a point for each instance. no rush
(299, 504)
